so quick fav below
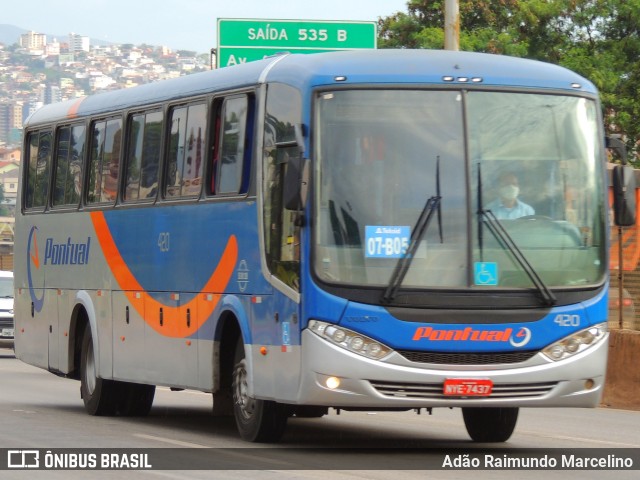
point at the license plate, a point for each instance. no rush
(461, 387)
(7, 332)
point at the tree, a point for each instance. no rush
(4, 211)
(186, 53)
(599, 39)
(485, 26)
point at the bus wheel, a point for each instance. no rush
(100, 396)
(490, 424)
(257, 420)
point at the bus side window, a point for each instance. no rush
(38, 172)
(233, 148)
(143, 156)
(68, 165)
(133, 158)
(186, 151)
(104, 162)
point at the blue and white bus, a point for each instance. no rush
(322, 231)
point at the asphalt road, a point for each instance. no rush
(41, 411)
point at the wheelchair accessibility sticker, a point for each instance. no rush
(486, 273)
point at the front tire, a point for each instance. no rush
(490, 424)
(257, 420)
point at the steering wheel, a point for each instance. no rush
(536, 217)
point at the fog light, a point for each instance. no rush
(589, 384)
(332, 382)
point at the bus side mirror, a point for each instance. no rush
(296, 182)
(616, 145)
(624, 196)
(296, 178)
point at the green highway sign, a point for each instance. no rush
(245, 40)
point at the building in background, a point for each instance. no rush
(52, 94)
(78, 43)
(33, 41)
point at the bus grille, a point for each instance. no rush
(435, 390)
(490, 358)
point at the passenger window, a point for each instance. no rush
(232, 151)
(186, 151)
(39, 160)
(68, 160)
(104, 161)
(143, 157)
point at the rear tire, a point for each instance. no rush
(257, 420)
(110, 397)
(490, 424)
(100, 396)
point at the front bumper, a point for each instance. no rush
(395, 382)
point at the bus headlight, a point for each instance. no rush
(349, 340)
(576, 342)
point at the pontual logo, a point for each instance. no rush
(68, 253)
(470, 334)
(33, 269)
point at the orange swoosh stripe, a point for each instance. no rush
(174, 318)
(73, 110)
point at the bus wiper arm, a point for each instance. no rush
(494, 225)
(402, 267)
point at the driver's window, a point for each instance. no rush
(281, 234)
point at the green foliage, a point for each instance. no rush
(599, 39)
(186, 53)
(4, 211)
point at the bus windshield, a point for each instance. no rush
(532, 162)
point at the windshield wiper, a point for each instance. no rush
(495, 227)
(420, 228)
(498, 231)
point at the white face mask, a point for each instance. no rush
(509, 192)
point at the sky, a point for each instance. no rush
(178, 24)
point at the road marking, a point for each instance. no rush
(579, 439)
(170, 441)
(249, 457)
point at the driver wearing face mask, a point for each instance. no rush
(507, 206)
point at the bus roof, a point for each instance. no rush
(425, 67)
(433, 67)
